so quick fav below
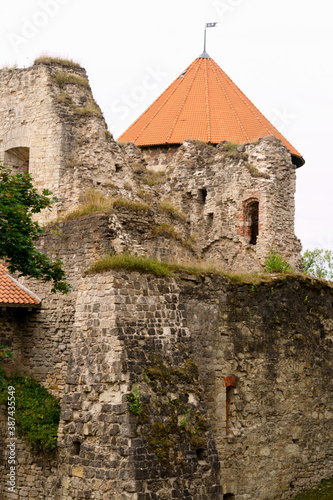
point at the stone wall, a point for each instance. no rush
(52, 128)
(174, 340)
(215, 186)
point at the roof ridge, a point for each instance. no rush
(207, 102)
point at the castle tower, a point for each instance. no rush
(229, 169)
(203, 103)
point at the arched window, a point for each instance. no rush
(251, 219)
(18, 159)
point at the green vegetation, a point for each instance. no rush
(134, 398)
(108, 136)
(169, 231)
(64, 78)
(166, 230)
(231, 150)
(170, 424)
(323, 492)
(64, 98)
(318, 263)
(56, 60)
(132, 205)
(94, 201)
(6, 354)
(19, 201)
(170, 209)
(90, 110)
(255, 172)
(147, 265)
(130, 263)
(275, 263)
(37, 413)
(155, 178)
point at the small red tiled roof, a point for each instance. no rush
(202, 103)
(12, 293)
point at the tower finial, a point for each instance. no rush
(208, 25)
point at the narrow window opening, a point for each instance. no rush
(18, 159)
(201, 454)
(118, 168)
(251, 221)
(229, 496)
(203, 195)
(76, 448)
(254, 221)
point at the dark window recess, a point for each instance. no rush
(201, 454)
(76, 448)
(118, 168)
(229, 496)
(203, 195)
(252, 221)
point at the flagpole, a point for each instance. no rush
(205, 37)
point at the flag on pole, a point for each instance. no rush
(211, 25)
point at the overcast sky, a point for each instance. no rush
(278, 52)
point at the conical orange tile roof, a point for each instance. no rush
(203, 103)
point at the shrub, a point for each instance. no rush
(275, 263)
(37, 412)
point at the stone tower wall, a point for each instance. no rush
(52, 127)
(214, 184)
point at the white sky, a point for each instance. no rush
(278, 52)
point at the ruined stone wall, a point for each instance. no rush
(52, 128)
(276, 339)
(174, 340)
(215, 185)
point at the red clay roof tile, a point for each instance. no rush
(202, 103)
(12, 293)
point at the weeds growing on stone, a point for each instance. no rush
(57, 60)
(255, 172)
(167, 230)
(64, 78)
(170, 209)
(132, 205)
(322, 492)
(90, 110)
(275, 263)
(155, 178)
